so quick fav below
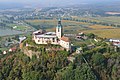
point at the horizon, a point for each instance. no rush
(52, 3)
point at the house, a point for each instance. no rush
(81, 36)
(12, 49)
(21, 39)
(115, 42)
(81, 33)
(79, 50)
(4, 52)
(56, 38)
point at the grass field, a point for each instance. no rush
(110, 19)
(54, 22)
(106, 33)
(100, 27)
(76, 27)
(19, 27)
(67, 25)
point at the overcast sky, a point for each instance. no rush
(52, 1)
(55, 2)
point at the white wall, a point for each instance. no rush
(65, 44)
(45, 40)
(59, 34)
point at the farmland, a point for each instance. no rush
(106, 33)
(100, 27)
(76, 27)
(51, 24)
(110, 19)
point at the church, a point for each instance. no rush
(56, 38)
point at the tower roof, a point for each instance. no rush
(59, 23)
(59, 19)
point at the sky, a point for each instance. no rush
(55, 2)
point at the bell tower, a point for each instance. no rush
(59, 29)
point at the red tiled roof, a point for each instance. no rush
(66, 39)
(14, 49)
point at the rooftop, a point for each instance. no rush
(66, 39)
(39, 32)
(47, 35)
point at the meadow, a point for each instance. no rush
(109, 19)
(51, 24)
(100, 27)
(74, 27)
(106, 33)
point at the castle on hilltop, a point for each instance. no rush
(56, 38)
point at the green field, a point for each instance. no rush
(106, 33)
(67, 25)
(76, 27)
(19, 27)
(111, 19)
(10, 24)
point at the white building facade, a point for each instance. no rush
(57, 38)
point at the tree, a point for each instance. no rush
(0, 38)
(1, 76)
(84, 73)
(91, 35)
(17, 37)
(0, 52)
(99, 60)
(33, 75)
(65, 74)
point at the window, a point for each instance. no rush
(53, 39)
(57, 40)
(58, 29)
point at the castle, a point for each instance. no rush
(56, 38)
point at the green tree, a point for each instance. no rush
(0, 52)
(91, 35)
(84, 72)
(99, 60)
(33, 75)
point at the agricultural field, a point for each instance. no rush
(100, 27)
(54, 22)
(20, 27)
(105, 33)
(51, 24)
(110, 19)
(74, 27)
(15, 25)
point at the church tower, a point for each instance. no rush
(59, 29)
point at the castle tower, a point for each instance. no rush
(59, 29)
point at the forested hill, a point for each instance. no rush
(100, 63)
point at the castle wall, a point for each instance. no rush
(46, 41)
